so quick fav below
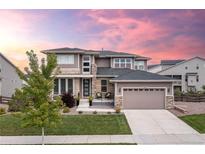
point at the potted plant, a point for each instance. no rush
(90, 100)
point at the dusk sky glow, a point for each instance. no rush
(158, 34)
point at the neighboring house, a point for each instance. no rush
(124, 75)
(9, 79)
(191, 74)
(163, 65)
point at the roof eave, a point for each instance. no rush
(143, 81)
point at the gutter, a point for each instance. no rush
(143, 80)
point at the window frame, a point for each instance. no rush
(105, 85)
(67, 88)
(86, 67)
(122, 63)
(65, 59)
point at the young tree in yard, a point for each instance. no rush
(39, 108)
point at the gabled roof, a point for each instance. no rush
(111, 72)
(152, 66)
(138, 75)
(68, 50)
(100, 53)
(171, 62)
(122, 74)
(107, 53)
(7, 60)
(182, 63)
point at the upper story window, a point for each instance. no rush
(65, 59)
(86, 64)
(139, 65)
(123, 63)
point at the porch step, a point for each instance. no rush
(83, 103)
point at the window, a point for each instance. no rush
(65, 59)
(70, 86)
(170, 76)
(139, 65)
(177, 77)
(197, 78)
(197, 67)
(56, 86)
(186, 67)
(63, 86)
(104, 85)
(86, 64)
(123, 63)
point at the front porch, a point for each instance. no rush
(98, 105)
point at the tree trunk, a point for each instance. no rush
(42, 129)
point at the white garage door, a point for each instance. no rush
(143, 98)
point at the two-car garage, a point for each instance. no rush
(143, 98)
(143, 90)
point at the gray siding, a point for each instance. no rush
(9, 78)
(75, 65)
(191, 68)
(103, 62)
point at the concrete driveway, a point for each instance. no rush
(160, 127)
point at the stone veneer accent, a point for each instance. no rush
(94, 80)
(118, 101)
(169, 104)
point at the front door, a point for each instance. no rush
(86, 87)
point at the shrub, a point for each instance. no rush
(2, 111)
(117, 109)
(68, 100)
(17, 103)
(178, 93)
(94, 112)
(108, 112)
(80, 112)
(66, 110)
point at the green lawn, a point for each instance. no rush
(72, 125)
(195, 121)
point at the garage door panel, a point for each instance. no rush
(143, 98)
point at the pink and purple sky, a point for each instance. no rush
(158, 34)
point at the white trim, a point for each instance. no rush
(73, 86)
(120, 63)
(165, 88)
(72, 76)
(78, 60)
(59, 86)
(89, 61)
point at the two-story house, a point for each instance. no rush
(9, 79)
(124, 75)
(190, 73)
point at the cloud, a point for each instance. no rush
(158, 37)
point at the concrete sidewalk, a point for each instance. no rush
(108, 139)
(68, 139)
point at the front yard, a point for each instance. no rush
(195, 121)
(10, 125)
